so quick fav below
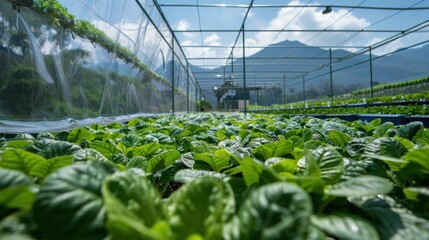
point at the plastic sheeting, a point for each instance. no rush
(49, 73)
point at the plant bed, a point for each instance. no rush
(397, 119)
(422, 118)
(218, 176)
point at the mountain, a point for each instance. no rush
(287, 58)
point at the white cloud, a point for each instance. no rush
(212, 40)
(184, 25)
(310, 18)
(388, 48)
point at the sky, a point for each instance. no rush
(121, 20)
(187, 18)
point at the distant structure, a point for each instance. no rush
(231, 97)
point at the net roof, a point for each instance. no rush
(290, 34)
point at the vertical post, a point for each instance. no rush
(196, 97)
(370, 73)
(257, 97)
(172, 80)
(244, 72)
(284, 89)
(303, 87)
(224, 76)
(187, 88)
(232, 61)
(330, 74)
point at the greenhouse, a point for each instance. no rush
(196, 119)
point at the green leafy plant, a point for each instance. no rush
(218, 176)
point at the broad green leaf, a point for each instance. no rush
(201, 207)
(188, 175)
(414, 193)
(297, 141)
(309, 184)
(21, 144)
(175, 131)
(376, 122)
(200, 146)
(137, 162)
(274, 149)
(348, 227)
(51, 165)
(356, 147)
(162, 138)
(43, 135)
(24, 136)
(314, 144)
(257, 141)
(381, 131)
(11, 178)
(422, 137)
(147, 150)
(18, 159)
(392, 220)
(386, 146)
(285, 165)
(409, 130)
(407, 143)
(273, 211)
(187, 159)
(78, 135)
(75, 192)
(166, 175)
(395, 164)
(133, 207)
(338, 138)
(15, 197)
(192, 130)
(119, 158)
(15, 192)
(131, 140)
(88, 154)
(360, 186)
(107, 149)
(254, 172)
(216, 162)
(353, 169)
(420, 158)
(325, 162)
(52, 148)
(162, 161)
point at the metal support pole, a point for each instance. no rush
(370, 73)
(303, 87)
(284, 89)
(257, 97)
(187, 88)
(196, 98)
(232, 61)
(330, 73)
(172, 80)
(244, 72)
(224, 76)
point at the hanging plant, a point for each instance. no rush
(24, 3)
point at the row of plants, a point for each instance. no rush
(213, 176)
(387, 86)
(59, 15)
(399, 98)
(402, 110)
